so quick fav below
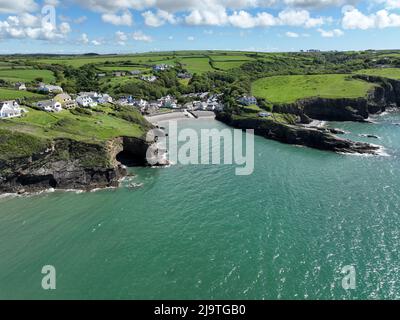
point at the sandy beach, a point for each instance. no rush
(180, 116)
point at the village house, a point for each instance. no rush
(148, 78)
(140, 103)
(161, 67)
(184, 75)
(20, 86)
(247, 101)
(98, 97)
(66, 101)
(86, 101)
(101, 75)
(49, 106)
(10, 109)
(151, 108)
(48, 88)
(168, 102)
(264, 114)
(119, 74)
(135, 72)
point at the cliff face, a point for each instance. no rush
(299, 135)
(386, 94)
(70, 164)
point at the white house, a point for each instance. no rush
(20, 86)
(168, 102)
(10, 109)
(161, 67)
(98, 97)
(48, 88)
(86, 101)
(148, 78)
(49, 106)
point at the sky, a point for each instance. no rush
(130, 26)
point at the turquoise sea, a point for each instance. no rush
(201, 232)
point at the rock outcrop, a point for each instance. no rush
(71, 164)
(299, 135)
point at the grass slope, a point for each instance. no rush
(26, 75)
(392, 73)
(97, 127)
(287, 89)
(10, 94)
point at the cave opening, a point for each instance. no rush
(129, 159)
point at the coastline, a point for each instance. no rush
(175, 116)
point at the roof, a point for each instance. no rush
(46, 103)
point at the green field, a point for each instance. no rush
(197, 65)
(93, 128)
(81, 61)
(287, 89)
(26, 75)
(10, 94)
(392, 73)
(122, 68)
(227, 65)
(230, 58)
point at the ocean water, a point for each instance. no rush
(201, 232)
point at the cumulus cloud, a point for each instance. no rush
(121, 38)
(84, 38)
(292, 34)
(17, 6)
(191, 5)
(331, 33)
(140, 36)
(32, 27)
(191, 38)
(158, 19)
(125, 19)
(355, 19)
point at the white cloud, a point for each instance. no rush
(121, 38)
(80, 20)
(84, 38)
(204, 5)
(191, 38)
(53, 3)
(32, 27)
(355, 19)
(17, 6)
(65, 28)
(292, 17)
(158, 19)
(245, 20)
(292, 34)
(331, 33)
(140, 36)
(125, 19)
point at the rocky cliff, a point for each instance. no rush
(71, 164)
(385, 94)
(299, 135)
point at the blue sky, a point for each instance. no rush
(127, 26)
